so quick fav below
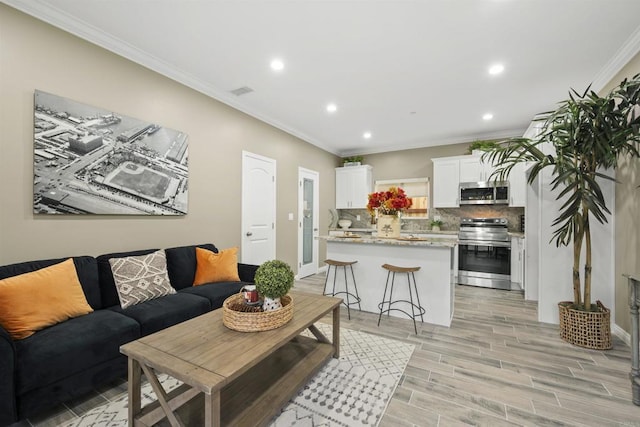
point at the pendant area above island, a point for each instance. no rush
(435, 280)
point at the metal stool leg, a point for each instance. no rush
(393, 281)
(355, 287)
(326, 279)
(418, 298)
(386, 284)
(346, 288)
(413, 313)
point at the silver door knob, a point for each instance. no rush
(249, 234)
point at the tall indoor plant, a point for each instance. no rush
(588, 134)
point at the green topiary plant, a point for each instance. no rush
(274, 278)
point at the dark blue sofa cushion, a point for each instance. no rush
(86, 267)
(8, 410)
(181, 264)
(108, 289)
(70, 347)
(216, 293)
(166, 311)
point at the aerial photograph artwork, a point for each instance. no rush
(92, 161)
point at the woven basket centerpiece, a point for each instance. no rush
(239, 316)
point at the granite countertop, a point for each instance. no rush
(403, 231)
(423, 242)
(519, 234)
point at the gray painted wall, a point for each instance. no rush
(35, 55)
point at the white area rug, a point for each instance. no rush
(351, 391)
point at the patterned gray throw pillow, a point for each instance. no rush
(141, 278)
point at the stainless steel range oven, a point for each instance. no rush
(484, 253)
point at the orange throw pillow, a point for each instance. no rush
(32, 301)
(216, 267)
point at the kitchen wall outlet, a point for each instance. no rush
(290, 216)
(357, 217)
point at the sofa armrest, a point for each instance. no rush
(247, 272)
(8, 409)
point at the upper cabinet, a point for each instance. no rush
(449, 172)
(473, 169)
(446, 182)
(353, 185)
(518, 185)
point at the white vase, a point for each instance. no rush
(271, 304)
(435, 228)
(388, 226)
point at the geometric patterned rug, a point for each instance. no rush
(353, 390)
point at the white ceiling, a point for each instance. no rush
(413, 73)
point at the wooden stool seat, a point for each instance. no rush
(352, 298)
(401, 304)
(397, 269)
(339, 263)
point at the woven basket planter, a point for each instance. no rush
(258, 321)
(589, 329)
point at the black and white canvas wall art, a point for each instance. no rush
(88, 160)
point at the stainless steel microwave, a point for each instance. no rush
(484, 193)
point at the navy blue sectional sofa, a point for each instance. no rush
(73, 357)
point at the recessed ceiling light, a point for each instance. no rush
(277, 65)
(366, 135)
(487, 116)
(496, 69)
(332, 108)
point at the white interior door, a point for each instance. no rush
(308, 222)
(258, 209)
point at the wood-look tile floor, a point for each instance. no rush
(496, 365)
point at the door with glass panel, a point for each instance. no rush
(308, 222)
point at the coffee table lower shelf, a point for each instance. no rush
(256, 396)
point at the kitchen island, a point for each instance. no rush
(435, 279)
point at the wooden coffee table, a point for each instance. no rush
(244, 378)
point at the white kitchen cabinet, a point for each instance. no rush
(518, 186)
(446, 182)
(353, 185)
(473, 169)
(517, 262)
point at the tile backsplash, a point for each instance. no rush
(449, 216)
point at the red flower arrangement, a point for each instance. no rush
(389, 202)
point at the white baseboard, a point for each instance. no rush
(621, 333)
(322, 269)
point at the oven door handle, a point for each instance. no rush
(485, 243)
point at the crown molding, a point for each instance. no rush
(44, 12)
(502, 134)
(621, 58)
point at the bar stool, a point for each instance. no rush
(414, 307)
(349, 294)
